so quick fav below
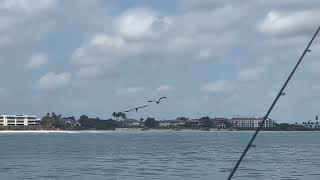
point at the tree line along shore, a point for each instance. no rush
(53, 121)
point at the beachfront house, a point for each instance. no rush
(171, 123)
(313, 124)
(70, 121)
(221, 123)
(194, 123)
(131, 123)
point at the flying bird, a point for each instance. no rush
(137, 108)
(158, 101)
(128, 110)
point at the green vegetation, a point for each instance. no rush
(119, 115)
(207, 123)
(289, 127)
(53, 120)
(96, 123)
(151, 123)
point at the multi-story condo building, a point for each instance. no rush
(251, 122)
(19, 120)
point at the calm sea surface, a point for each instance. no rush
(158, 155)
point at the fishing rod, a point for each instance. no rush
(272, 106)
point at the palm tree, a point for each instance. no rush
(123, 115)
(118, 115)
(114, 114)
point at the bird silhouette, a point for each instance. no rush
(137, 108)
(158, 101)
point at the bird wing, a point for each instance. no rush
(151, 101)
(143, 106)
(129, 110)
(162, 98)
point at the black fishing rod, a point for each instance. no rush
(272, 106)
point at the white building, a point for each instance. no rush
(131, 123)
(221, 125)
(19, 120)
(314, 124)
(251, 122)
(171, 123)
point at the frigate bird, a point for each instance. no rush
(137, 108)
(158, 101)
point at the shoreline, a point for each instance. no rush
(135, 130)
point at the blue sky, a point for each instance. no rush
(210, 57)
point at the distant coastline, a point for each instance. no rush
(119, 122)
(48, 130)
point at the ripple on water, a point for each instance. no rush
(154, 155)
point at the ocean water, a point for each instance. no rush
(158, 155)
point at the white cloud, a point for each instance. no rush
(23, 20)
(285, 42)
(53, 81)
(208, 21)
(101, 40)
(250, 74)
(38, 61)
(217, 87)
(144, 34)
(165, 88)
(140, 23)
(204, 54)
(89, 72)
(289, 4)
(288, 23)
(27, 6)
(131, 91)
(102, 50)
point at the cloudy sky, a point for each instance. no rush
(210, 57)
